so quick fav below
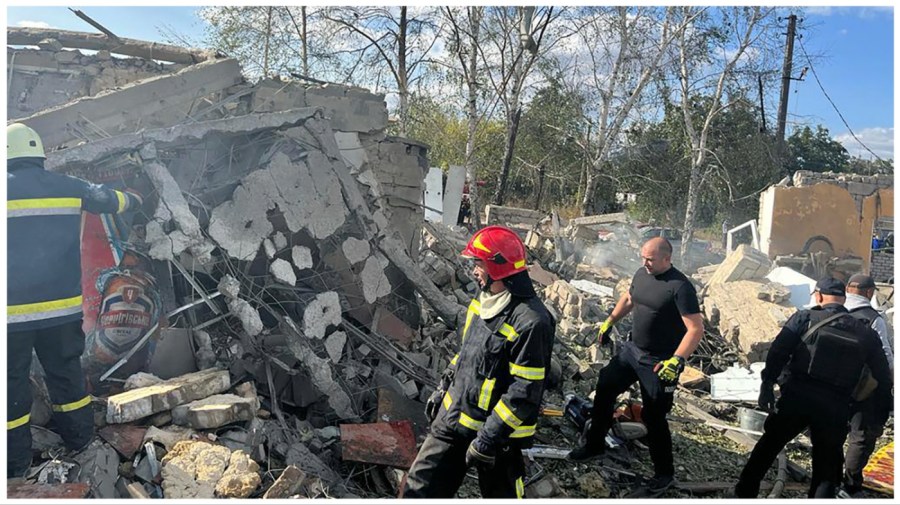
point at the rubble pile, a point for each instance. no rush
(302, 308)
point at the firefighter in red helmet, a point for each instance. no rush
(486, 408)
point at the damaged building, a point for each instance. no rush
(295, 308)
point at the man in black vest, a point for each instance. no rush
(817, 371)
(868, 416)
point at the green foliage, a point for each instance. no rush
(816, 151)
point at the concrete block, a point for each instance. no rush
(215, 411)
(143, 402)
(288, 484)
(744, 263)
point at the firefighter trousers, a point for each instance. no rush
(59, 350)
(440, 467)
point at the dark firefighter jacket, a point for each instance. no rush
(43, 218)
(499, 374)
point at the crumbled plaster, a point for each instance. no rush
(305, 191)
(322, 312)
(283, 272)
(302, 257)
(355, 250)
(269, 247)
(375, 283)
(248, 316)
(334, 345)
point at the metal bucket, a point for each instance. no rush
(753, 420)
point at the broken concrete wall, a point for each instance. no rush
(38, 79)
(512, 216)
(882, 265)
(789, 217)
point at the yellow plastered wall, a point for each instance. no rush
(789, 216)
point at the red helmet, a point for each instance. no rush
(501, 250)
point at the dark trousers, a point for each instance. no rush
(799, 408)
(440, 467)
(629, 365)
(867, 420)
(59, 350)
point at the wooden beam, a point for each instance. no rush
(99, 42)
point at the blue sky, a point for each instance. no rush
(852, 50)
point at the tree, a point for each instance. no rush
(514, 38)
(709, 56)
(623, 49)
(395, 41)
(816, 151)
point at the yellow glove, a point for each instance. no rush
(670, 369)
(605, 329)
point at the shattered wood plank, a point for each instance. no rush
(390, 245)
(98, 42)
(154, 102)
(92, 152)
(47, 491)
(718, 487)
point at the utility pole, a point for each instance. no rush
(786, 78)
(762, 105)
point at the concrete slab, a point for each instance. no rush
(215, 411)
(453, 191)
(288, 484)
(149, 103)
(143, 402)
(434, 195)
(391, 444)
(125, 439)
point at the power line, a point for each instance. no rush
(816, 75)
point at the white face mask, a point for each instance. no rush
(491, 305)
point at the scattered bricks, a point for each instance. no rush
(288, 484)
(143, 402)
(744, 263)
(215, 411)
(125, 439)
(392, 444)
(28, 491)
(240, 479)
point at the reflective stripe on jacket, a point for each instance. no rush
(43, 217)
(500, 370)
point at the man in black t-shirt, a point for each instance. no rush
(667, 328)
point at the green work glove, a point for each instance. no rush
(605, 330)
(670, 369)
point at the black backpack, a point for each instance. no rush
(837, 355)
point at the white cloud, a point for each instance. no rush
(33, 24)
(842, 31)
(879, 139)
(860, 12)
